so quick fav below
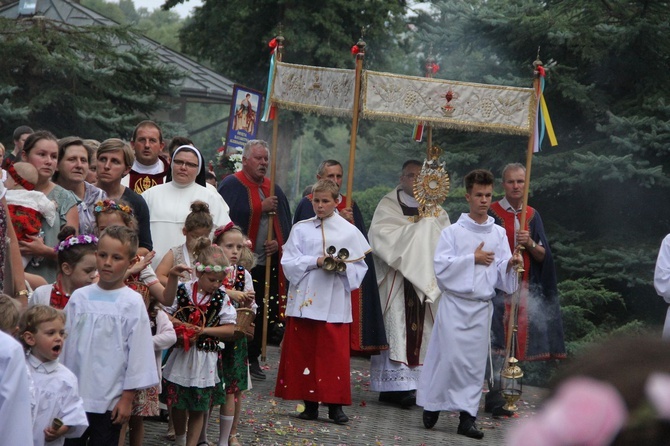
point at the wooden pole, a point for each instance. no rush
(522, 224)
(354, 123)
(271, 216)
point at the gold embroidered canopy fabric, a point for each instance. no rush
(448, 104)
(326, 91)
(408, 99)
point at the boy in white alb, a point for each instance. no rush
(109, 347)
(59, 411)
(472, 259)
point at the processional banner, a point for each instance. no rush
(448, 104)
(325, 91)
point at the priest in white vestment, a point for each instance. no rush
(472, 259)
(403, 246)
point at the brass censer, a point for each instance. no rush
(511, 385)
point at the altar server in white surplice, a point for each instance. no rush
(314, 364)
(472, 259)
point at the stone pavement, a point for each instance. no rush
(267, 420)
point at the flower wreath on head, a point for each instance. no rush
(212, 268)
(111, 205)
(84, 239)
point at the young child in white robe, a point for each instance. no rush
(472, 259)
(315, 360)
(109, 344)
(59, 411)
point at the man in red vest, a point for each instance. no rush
(540, 326)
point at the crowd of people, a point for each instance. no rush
(127, 249)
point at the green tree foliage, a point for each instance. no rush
(92, 81)
(159, 25)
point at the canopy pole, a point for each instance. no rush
(271, 215)
(360, 55)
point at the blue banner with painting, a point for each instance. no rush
(244, 117)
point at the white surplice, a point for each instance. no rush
(662, 280)
(315, 293)
(56, 396)
(16, 427)
(109, 346)
(402, 248)
(453, 372)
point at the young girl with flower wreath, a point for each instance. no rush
(203, 315)
(141, 278)
(198, 223)
(76, 269)
(233, 365)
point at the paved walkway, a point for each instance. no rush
(267, 420)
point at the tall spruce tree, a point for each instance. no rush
(89, 81)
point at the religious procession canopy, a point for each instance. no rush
(408, 99)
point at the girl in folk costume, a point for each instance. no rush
(198, 223)
(203, 315)
(76, 269)
(314, 364)
(141, 278)
(234, 364)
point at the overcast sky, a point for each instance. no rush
(183, 9)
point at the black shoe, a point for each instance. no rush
(499, 412)
(408, 400)
(430, 418)
(468, 428)
(404, 399)
(335, 413)
(493, 399)
(256, 372)
(311, 411)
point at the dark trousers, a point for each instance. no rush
(275, 328)
(100, 432)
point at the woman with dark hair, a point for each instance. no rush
(41, 150)
(170, 203)
(74, 157)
